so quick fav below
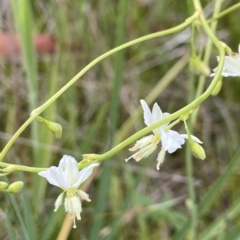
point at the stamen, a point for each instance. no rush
(160, 158)
(73, 206)
(83, 195)
(144, 152)
(74, 223)
(58, 202)
(127, 159)
(142, 143)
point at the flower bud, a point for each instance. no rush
(197, 150)
(189, 204)
(10, 169)
(199, 67)
(53, 127)
(3, 185)
(15, 187)
(218, 87)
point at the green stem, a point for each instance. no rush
(105, 178)
(223, 13)
(40, 109)
(188, 132)
(173, 116)
(172, 124)
(24, 22)
(188, 156)
(192, 41)
(208, 50)
(21, 167)
(191, 190)
(156, 91)
(157, 124)
(180, 112)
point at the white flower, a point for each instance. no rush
(171, 140)
(231, 65)
(69, 178)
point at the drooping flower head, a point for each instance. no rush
(69, 178)
(171, 140)
(231, 65)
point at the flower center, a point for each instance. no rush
(156, 139)
(73, 205)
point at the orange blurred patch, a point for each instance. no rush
(10, 44)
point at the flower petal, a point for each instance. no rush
(65, 160)
(231, 66)
(146, 113)
(55, 177)
(195, 139)
(166, 124)
(227, 74)
(171, 140)
(156, 113)
(71, 172)
(84, 174)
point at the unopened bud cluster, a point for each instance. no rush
(12, 188)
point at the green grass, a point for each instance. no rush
(129, 200)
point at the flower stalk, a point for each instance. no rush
(194, 104)
(40, 109)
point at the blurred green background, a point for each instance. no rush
(130, 200)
